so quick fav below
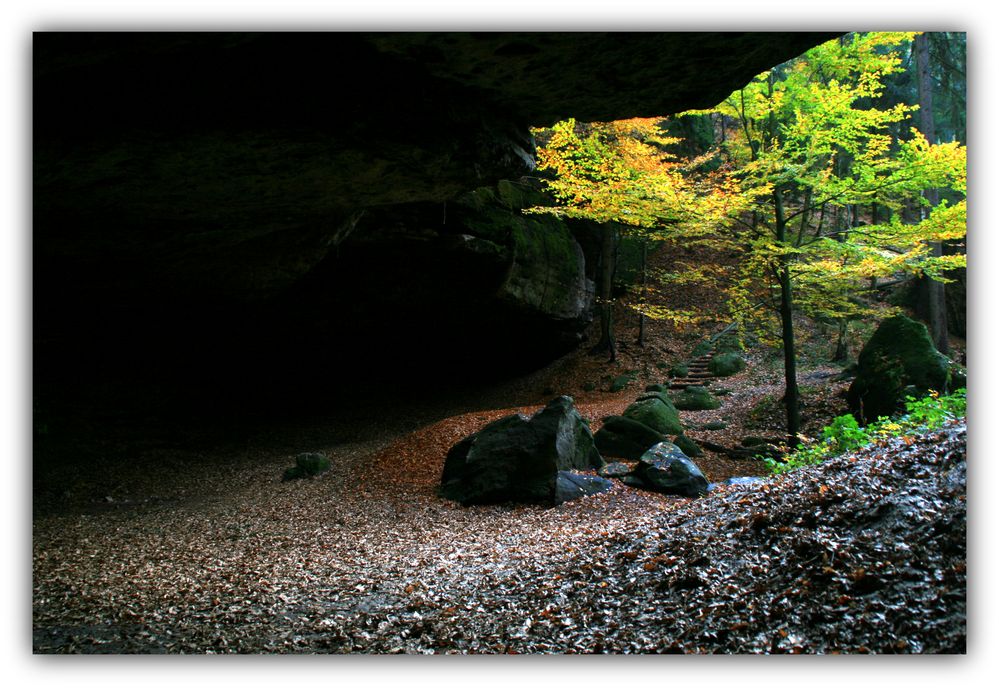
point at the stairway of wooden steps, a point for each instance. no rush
(697, 372)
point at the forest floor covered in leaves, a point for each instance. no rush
(208, 551)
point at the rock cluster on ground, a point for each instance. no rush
(529, 460)
(538, 459)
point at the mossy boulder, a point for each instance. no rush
(307, 465)
(662, 396)
(898, 359)
(545, 274)
(728, 344)
(679, 370)
(657, 413)
(622, 381)
(625, 438)
(695, 399)
(723, 365)
(548, 272)
(687, 446)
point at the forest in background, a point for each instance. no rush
(833, 179)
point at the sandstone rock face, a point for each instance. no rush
(196, 194)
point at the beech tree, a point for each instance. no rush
(812, 149)
(623, 176)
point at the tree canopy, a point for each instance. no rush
(818, 179)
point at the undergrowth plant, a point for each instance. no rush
(844, 434)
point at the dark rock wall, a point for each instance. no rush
(220, 212)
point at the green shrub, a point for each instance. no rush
(844, 434)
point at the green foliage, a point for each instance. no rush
(844, 434)
(933, 411)
(815, 144)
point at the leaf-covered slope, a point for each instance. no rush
(865, 553)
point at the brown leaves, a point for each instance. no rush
(318, 567)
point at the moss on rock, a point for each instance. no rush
(695, 399)
(723, 365)
(679, 370)
(657, 414)
(687, 446)
(307, 465)
(898, 357)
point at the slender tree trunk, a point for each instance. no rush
(936, 307)
(804, 217)
(641, 314)
(606, 343)
(791, 396)
(841, 352)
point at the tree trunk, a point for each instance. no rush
(791, 396)
(933, 291)
(606, 300)
(641, 314)
(842, 353)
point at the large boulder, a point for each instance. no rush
(899, 359)
(519, 459)
(574, 445)
(543, 271)
(695, 398)
(664, 468)
(625, 438)
(723, 365)
(656, 411)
